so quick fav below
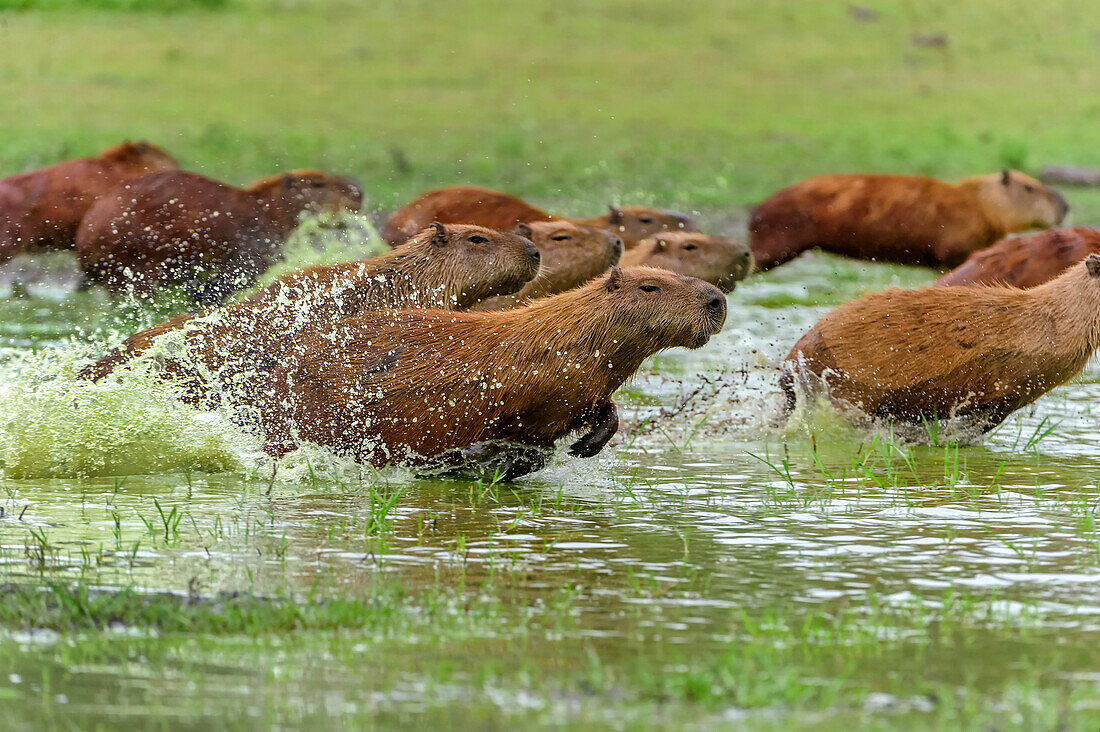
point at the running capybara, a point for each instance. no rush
(1025, 261)
(473, 205)
(444, 267)
(899, 218)
(969, 354)
(571, 256)
(42, 209)
(179, 227)
(420, 387)
(718, 260)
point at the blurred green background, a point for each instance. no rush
(707, 105)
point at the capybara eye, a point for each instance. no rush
(1029, 188)
(645, 219)
(561, 237)
(690, 247)
(478, 239)
(649, 288)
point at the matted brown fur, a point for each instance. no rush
(571, 256)
(42, 209)
(975, 353)
(1025, 261)
(403, 386)
(485, 207)
(442, 267)
(718, 260)
(897, 218)
(177, 227)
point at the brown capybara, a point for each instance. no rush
(425, 386)
(473, 205)
(444, 267)
(899, 218)
(1025, 261)
(719, 261)
(179, 227)
(43, 208)
(967, 354)
(571, 256)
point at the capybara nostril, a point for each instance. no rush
(616, 246)
(717, 305)
(1063, 207)
(533, 252)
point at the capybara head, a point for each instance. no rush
(1018, 201)
(141, 154)
(634, 223)
(571, 254)
(657, 309)
(475, 262)
(310, 190)
(720, 261)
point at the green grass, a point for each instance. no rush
(708, 105)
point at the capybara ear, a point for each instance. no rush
(525, 231)
(614, 279)
(1093, 263)
(1006, 176)
(439, 235)
(143, 146)
(288, 181)
(614, 215)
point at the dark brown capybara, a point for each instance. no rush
(971, 354)
(444, 267)
(899, 218)
(720, 261)
(571, 256)
(473, 205)
(41, 209)
(421, 387)
(1025, 261)
(179, 227)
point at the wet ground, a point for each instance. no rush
(712, 567)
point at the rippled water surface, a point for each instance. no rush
(711, 567)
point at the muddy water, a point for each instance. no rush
(707, 529)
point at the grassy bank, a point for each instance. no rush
(709, 104)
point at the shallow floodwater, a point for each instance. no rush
(711, 567)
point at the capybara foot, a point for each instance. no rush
(495, 458)
(605, 423)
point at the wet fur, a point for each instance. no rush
(438, 268)
(1025, 261)
(976, 353)
(176, 226)
(402, 386)
(905, 219)
(42, 209)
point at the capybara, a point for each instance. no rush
(179, 227)
(968, 354)
(43, 208)
(473, 205)
(422, 386)
(571, 256)
(718, 260)
(899, 218)
(444, 267)
(1025, 261)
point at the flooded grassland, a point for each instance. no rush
(712, 566)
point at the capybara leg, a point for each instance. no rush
(604, 423)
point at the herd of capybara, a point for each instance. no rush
(492, 329)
